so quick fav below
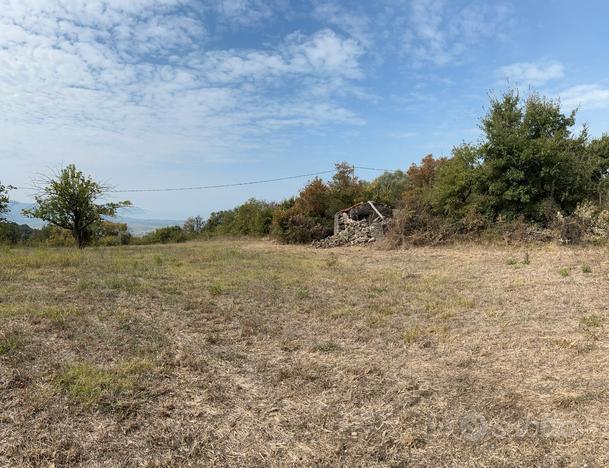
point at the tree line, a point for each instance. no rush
(530, 168)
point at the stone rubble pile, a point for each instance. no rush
(353, 232)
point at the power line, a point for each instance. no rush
(236, 184)
(377, 169)
(204, 187)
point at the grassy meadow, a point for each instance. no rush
(248, 353)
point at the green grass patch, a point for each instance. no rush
(90, 384)
(216, 289)
(10, 342)
(591, 321)
(564, 272)
(55, 313)
(120, 283)
(303, 293)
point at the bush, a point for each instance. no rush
(252, 218)
(302, 229)
(110, 234)
(12, 233)
(164, 235)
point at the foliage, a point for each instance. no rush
(194, 225)
(164, 235)
(456, 187)
(387, 188)
(13, 233)
(298, 228)
(421, 179)
(109, 233)
(4, 199)
(252, 218)
(310, 216)
(345, 189)
(531, 158)
(68, 201)
(530, 168)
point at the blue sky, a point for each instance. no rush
(169, 93)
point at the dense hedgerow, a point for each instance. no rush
(530, 169)
(531, 175)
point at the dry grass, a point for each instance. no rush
(231, 353)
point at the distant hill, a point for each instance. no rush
(137, 225)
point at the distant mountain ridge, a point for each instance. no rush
(137, 226)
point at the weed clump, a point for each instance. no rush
(591, 321)
(412, 334)
(10, 342)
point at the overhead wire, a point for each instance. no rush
(235, 184)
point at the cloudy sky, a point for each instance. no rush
(169, 93)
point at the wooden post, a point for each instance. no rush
(377, 211)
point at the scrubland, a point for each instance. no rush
(248, 353)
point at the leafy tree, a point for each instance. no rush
(531, 158)
(456, 186)
(218, 222)
(194, 225)
(387, 188)
(345, 188)
(164, 235)
(598, 150)
(4, 199)
(13, 233)
(69, 201)
(252, 218)
(313, 200)
(109, 233)
(421, 179)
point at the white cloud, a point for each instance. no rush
(587, 96)
(141, 71)
(402, 135)
(529, 73)
(248, 13)
(439, 32)
(352, 21)
(324, 54)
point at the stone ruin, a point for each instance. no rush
(359, 224)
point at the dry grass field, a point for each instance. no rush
(243, 353)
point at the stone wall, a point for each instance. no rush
(354, 232)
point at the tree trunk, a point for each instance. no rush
(79, 236)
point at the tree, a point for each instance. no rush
(68, 201)
(531, 159)
(387, 188)
(456, 183)
(421, 179)
(194, 225)
(4, 199)
(345, 188)
(598, 149)
(313, 200)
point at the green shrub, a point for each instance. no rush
(164, 235)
